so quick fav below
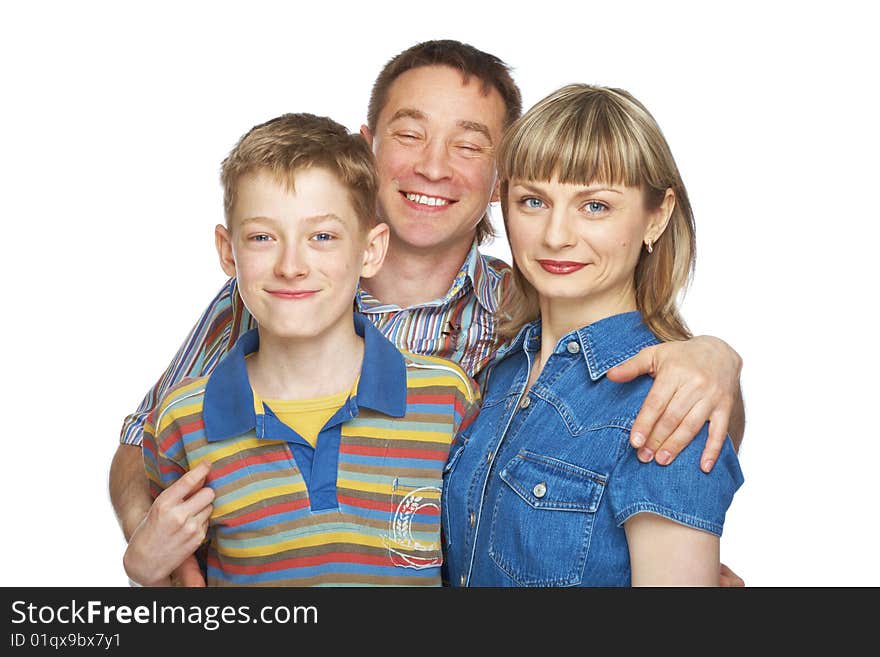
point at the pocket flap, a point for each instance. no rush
(548, 483)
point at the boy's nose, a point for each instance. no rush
(291, 262)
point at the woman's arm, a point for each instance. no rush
(663, 552)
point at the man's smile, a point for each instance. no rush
(425, 200)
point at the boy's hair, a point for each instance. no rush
(291, 142)
(488, 69)
(582, 134)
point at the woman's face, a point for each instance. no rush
(579, 244)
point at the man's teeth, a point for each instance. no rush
(421, 199)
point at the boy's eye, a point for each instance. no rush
(323, 237)
(261, 237)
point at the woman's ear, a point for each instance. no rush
(375, 249)
(660, 217)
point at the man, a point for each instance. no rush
(436, 113)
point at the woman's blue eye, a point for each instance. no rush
(533, 203)
(595, 206)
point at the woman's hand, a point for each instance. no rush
(695, 380)
(172, 530)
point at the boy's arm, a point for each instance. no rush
(208, 341)
(696, 381)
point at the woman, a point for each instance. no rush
(543, 488)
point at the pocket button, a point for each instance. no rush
(539, 490)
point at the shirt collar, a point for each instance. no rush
(228, 409)
(473, 274)
(604, 344)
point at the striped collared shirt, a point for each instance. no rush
(460, 327)
(361, 508)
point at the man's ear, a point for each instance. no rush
(660, 217)
(223, 241)
(375, 249)
(367, 135)
(496, 192)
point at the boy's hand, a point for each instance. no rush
(172, 530)
(695, 380)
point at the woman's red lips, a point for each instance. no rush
(561, 266)
(292, 294)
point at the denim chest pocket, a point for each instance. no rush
(543, 520)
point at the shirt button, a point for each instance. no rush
(462, 580)
(573, 347)
(539, 490)
(473, 519)
(525, 402)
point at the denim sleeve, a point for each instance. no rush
(679, 491)
(207, 343)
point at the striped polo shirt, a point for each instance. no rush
(362, 508)
(459, 326)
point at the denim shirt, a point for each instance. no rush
(537, 489)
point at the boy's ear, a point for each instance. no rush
(223, 240)
(367, 135)
(375, 248)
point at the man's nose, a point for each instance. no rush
(433, 162)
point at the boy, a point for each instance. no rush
(321, 444)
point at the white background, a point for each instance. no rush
(114, 121)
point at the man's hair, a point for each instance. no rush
(292, 142)
(488, 69)
(582, 134)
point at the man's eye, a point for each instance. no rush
(262, 237)
(322, 237)
(408, 136)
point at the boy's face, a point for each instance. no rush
(298, 254)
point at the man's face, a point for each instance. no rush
(435, 147)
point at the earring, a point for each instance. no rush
(650, 245)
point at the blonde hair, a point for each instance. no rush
(291, 142)
(583, 134)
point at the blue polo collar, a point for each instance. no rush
(603, 344)
(228, 409)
